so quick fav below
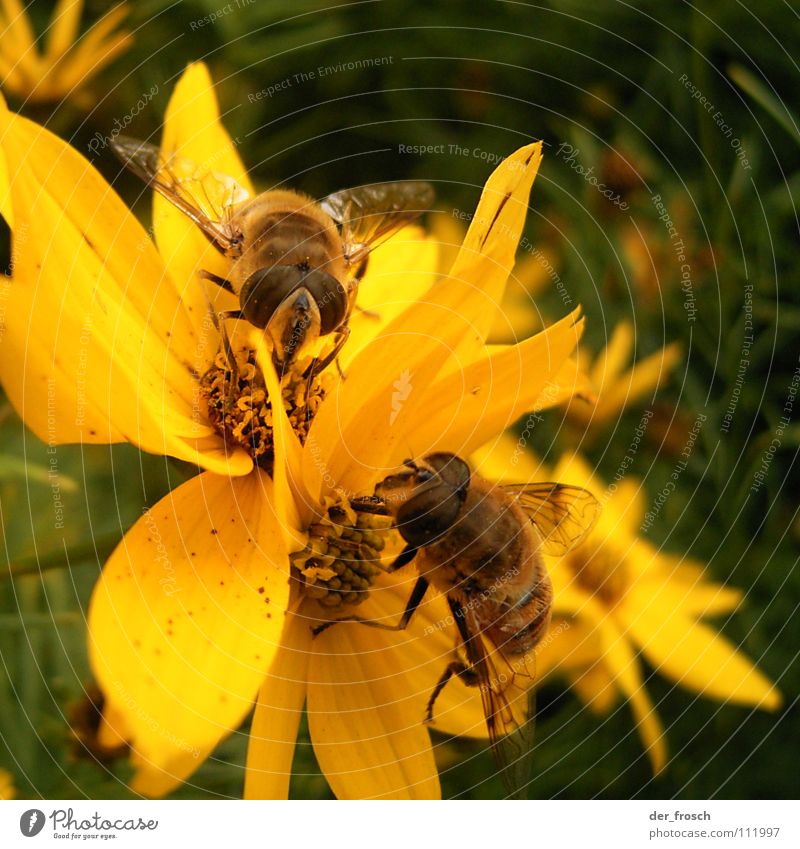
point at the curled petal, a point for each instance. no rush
(489, 251)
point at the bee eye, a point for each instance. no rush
(265, 290)
(428, 515)
(330, 296)
(424, 475)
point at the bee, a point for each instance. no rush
(294, 264)
(480, 545)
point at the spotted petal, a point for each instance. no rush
(186, 620)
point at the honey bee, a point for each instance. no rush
(295, 264)
(481, 546)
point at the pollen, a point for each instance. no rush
(241, 411)
(343, 556)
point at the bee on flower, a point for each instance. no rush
(212, 600)
(618, 600)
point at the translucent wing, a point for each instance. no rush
(506, 687)
(562, 514)
(369, 214)
(207, 197)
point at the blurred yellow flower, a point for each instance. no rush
(66, 63)
(619, 596)
(613, 384)
(7, 789)
(198, 608)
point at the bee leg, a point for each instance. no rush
(404, 558)
(367, 313)
(219, 319)
(371, 504)
(414, 600)
(317, 366)
(460, 670)
(464, 671)
(215, 278)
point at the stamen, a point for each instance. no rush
(343, 555)
(241, 410)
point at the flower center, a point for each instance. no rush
(601, 571)
(241, 411)
(343, 556)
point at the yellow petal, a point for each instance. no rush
(448, 233)
(186, 620)
(18, 33)
(623, 667)
(615, 357)
(373, 416)
(695, 596)
(7, 789)
(365, 419)
(399, 272)
(6, 204)
(294, 505)
(94, 50)
(694, 655)
(516, 318)
(574, 468)
(617, 392)
(571, 644)
(571, 381)
(507, 460)
(536, 271)
(63, 30)
(365, 719)
(423, 652)
(79, 66)
(273, 734)
(490, 247)
(463, 410)
(627, 503)
(193, 129)
(97, 346)
(595, 688)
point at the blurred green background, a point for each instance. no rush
(610, 80)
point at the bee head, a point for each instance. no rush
(425, 497)
(293, 303)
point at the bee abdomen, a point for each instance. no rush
(524, 626)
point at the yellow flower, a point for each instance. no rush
(612, 384)
(198, 611)
(7, 789)
(616, 597)
(36, 75)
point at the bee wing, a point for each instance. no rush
(562, 514)
(506, 688)
(207, 197)
(370, 214)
